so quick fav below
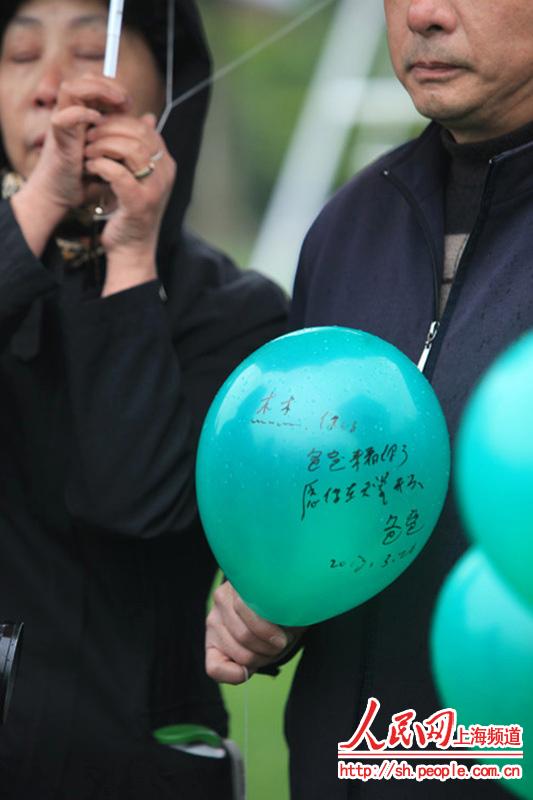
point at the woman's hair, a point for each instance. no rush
(149, 19)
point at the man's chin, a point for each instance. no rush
(445, 112)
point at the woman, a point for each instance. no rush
(114, 337)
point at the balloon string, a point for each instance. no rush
(277, 36)
(171, 33)
(246, 730)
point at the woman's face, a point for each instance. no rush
(49, 41)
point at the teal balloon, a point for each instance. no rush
(495, 466)
(482, 653)
(322, 468)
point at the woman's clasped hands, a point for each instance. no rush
(97, 154)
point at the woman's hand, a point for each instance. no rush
(60, 170)
(238, 641)
(118, 148)
(56, 184)
(91, 135)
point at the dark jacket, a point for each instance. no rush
(371, 261)
(101, 552)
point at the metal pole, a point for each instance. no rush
(311, 162)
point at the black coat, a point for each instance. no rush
(101, 552)
(371, 261)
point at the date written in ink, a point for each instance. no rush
(360, 563)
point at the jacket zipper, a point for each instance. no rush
(430, 338)
(436, 325)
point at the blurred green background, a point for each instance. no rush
(252, 115)
(254, 111)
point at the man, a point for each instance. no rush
(116, 330)
(439, 231)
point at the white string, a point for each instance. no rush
(246, 729)
(242, 59)
(171, 33)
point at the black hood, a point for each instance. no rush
(192, 65)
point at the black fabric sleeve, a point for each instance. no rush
(23, 277)
(131, 470)
(141, 378)
(297, 317)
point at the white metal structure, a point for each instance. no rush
(342, 96)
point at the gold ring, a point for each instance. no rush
(144, 172)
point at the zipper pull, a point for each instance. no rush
(432, 335)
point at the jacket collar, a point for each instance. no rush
(512, 175)
(419, 171)
(422, 165)
(422, 168)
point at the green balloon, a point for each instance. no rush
(482, 654)
(322, 469)
(495, 466)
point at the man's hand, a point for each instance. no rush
(238, 641)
